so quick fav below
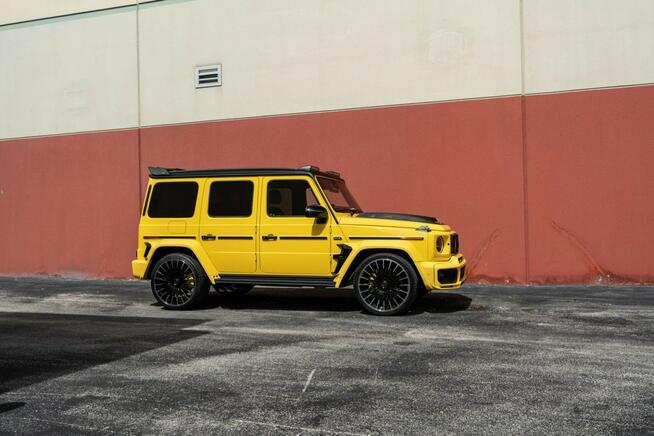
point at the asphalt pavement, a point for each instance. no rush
(100, 357)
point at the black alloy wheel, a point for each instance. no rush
(386, 284)
(233, 289)
(179, 282)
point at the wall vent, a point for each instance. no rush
(208, 75)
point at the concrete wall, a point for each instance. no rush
(295, 56)
(431, 107)
(69, 74)
(584, 44)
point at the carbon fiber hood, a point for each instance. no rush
(398, 217)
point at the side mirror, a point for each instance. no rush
(315, 211)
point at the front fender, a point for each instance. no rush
(413, 249)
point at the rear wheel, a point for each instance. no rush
(386, 284)
(234, 289)
(179, 282)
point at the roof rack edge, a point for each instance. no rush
(161, 173)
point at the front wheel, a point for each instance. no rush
(386, 284)
(179, 282)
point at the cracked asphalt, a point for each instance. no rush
(99, 357)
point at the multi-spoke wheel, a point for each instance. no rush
(179, 282)
(233, 289)
(385, 284)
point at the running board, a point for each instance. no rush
(275, 280)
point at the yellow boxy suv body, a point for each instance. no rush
(237, 228)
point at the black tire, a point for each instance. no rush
(178, 282)
(234, 289)
(386, 284)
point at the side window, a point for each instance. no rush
(173, 200)
(289, 197)
(231, 199)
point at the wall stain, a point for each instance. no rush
(601, 274)
(580, 247)
(482, 251)
(596, 274)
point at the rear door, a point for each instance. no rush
(289, 242)
(228, 223)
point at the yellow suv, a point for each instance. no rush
(237, 228)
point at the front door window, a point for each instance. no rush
(289, 198)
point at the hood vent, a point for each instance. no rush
(208, 75)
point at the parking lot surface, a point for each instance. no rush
(99, 357)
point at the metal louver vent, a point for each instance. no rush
(208, 75)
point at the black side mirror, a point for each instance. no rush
(315, 211)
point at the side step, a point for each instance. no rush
(321, 281)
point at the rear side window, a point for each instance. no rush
(173, 200)
(231, 199)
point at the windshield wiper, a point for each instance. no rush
(351, 210)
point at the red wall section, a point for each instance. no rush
(591, 186)
(69, 204)
(459, 161)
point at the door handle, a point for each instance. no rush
(208, 237)
(269, 237)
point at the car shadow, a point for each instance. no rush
(441, 302)
(300, 299)
(37, 347)
(331, 300)
(6, 407)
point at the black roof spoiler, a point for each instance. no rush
(160, 173)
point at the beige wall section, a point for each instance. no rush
(69, 74)
(291, 56)
(15, 11)
(587, 43)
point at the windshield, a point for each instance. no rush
(338, 195)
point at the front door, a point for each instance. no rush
(228, 224)
(289, 242)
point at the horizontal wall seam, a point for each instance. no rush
(254, 117)
(329, 111)
(74, 14)
(597, 88)
(80, 132)
(351, 109)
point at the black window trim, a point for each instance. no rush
(147, 199)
